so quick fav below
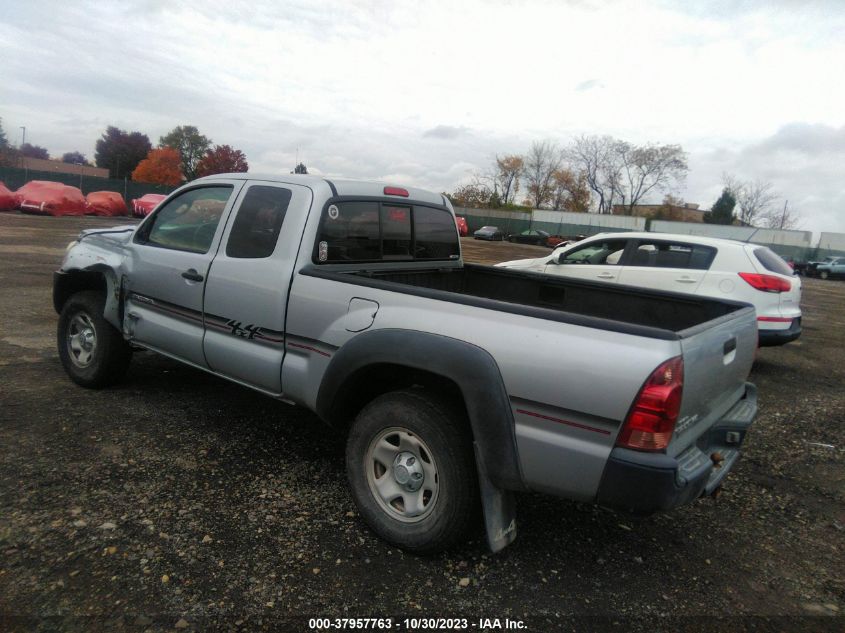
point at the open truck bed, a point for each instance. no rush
(651, 313)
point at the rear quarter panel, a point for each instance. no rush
(570, 386)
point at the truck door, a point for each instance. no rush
(247, 288)
(170, 255)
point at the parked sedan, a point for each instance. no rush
(538, 238)
(712, 267)
(143, 206)
(491, 233)
(833, 268)
(463, 227)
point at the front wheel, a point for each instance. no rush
(411, 471)
(824, 274)
(92, 351)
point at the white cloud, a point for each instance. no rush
(432, 91)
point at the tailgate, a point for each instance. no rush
(717, 360)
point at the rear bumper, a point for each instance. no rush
(644, 483)
(768, 338)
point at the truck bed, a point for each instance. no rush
(639, 311)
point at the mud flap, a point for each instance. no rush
(499, 508)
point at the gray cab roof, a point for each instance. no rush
(343, 186)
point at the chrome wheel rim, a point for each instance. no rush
(81, 340)
(402, 474)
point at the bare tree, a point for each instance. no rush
(542, 160)
(595, 157)
(754, 199)
(786, 218)
(508, 170)
(646, 168)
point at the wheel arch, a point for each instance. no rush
(99, 279)
(380, 361)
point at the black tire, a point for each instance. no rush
(441, 429)
(108, 359)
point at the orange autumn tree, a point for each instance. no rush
(161, 167)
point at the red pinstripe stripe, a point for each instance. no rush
(577, 425)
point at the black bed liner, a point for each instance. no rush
(651, 313)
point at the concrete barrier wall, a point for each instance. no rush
(831, 244)
(553, 222)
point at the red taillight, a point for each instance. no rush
(767, 283)
(395, 191)
(651, 422)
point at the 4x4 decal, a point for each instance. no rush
(244, 331)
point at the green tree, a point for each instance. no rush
(723, 209)
(300, 169)
(191, 145)
(120, 152)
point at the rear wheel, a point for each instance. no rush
(824, 274)
(92, 351)
(411, 470)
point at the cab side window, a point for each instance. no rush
(258, 222)
(187, 222)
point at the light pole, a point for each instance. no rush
(23, 140)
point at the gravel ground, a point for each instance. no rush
(179, 500)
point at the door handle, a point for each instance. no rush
(685, 280)
(606, 276)
(192, 275)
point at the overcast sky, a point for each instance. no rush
(427, 93)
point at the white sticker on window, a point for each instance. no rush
(323, 250)
(334, 212)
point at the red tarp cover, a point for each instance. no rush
(8, 200)
(50, 198)
(106, 203)
(144, 205)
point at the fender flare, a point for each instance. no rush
(68, 282)
(470, 367)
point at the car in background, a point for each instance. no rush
(143, 206)
(492, 233)
(724, 269)
(538, 238)
(463, 227)
(832, 269)
(810, 269)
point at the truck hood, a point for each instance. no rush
(115, 233)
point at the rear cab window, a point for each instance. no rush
(663, 254)
(374, 231)
(772, 261)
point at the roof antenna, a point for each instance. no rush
(753, 233)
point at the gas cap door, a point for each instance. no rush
(361, 314)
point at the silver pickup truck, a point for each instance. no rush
(456, 385)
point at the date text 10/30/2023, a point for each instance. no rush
(417, 624)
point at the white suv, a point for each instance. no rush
(724, 269)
